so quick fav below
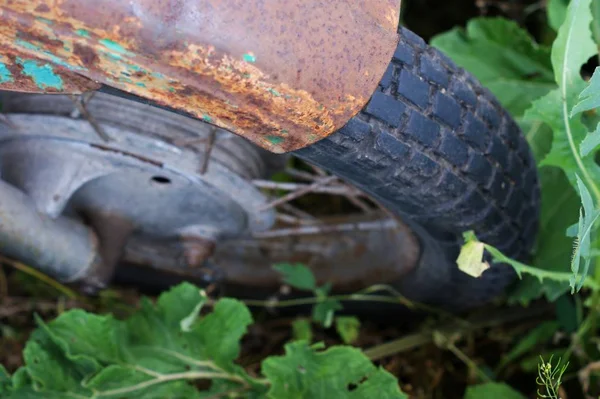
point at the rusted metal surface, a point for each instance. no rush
(350, 261)
(282, 73)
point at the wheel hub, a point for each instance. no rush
(137, 186)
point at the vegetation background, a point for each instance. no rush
(540, 340)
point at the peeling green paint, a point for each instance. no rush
(27, 45)
(206, 118)
(82, 33)
(275, 139)
(284, 131)
(113, 56)
(113, 46)
(37, 49)
(158, 75)
(172, 89)
(5, 75)
(46, 20)
(42, 75)
(141, 84)
(249, 57)
(274, 92)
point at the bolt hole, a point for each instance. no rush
(161, 180)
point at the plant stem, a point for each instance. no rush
(422, 338)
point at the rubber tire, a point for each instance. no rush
(439, 151)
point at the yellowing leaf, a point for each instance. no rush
(470, 259)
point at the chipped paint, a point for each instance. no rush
(42, 74)
(113, 46)
(83, 33)
(5, 75)
(249, 57)
(275, 139)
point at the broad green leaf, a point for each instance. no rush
(560, 204)
(540, 335)
(123, 381)
(557, 11)
(302, 330)
(470, 259)
(493, 390)
(573, 46)
(50, 370)
(297, 275)
(348, 327)
(504, 57)
(338, 372)
(88, 339)
(156, 353)
(324, 311)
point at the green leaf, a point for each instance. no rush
(589, 98)
(560, 204)
(123, 381)
(492, 390)
(581, 251)
(573, 46)
(324, 311)
(338, 372)
(470, 259)
(591, 142)
(297, 275)
(51, 371)
(571, 49)
(5, 380)
(302, 330)
(540, 335)
(154, 354)
(504, 57)
(557, 11)
(348, 327)
(522, 269)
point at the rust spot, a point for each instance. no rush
(42, 8)
(88, 57)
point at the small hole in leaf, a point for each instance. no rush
(352, 387)
(587, 70)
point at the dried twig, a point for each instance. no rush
(584, 375)
(329, 228)
(12, 306)
(80, 103)
(40, 276)
(210, 143)
(299, 193)
(287, 207)
(337, 189)
(300, 174)
(190, 141)
(294, 220)
(6, 120)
